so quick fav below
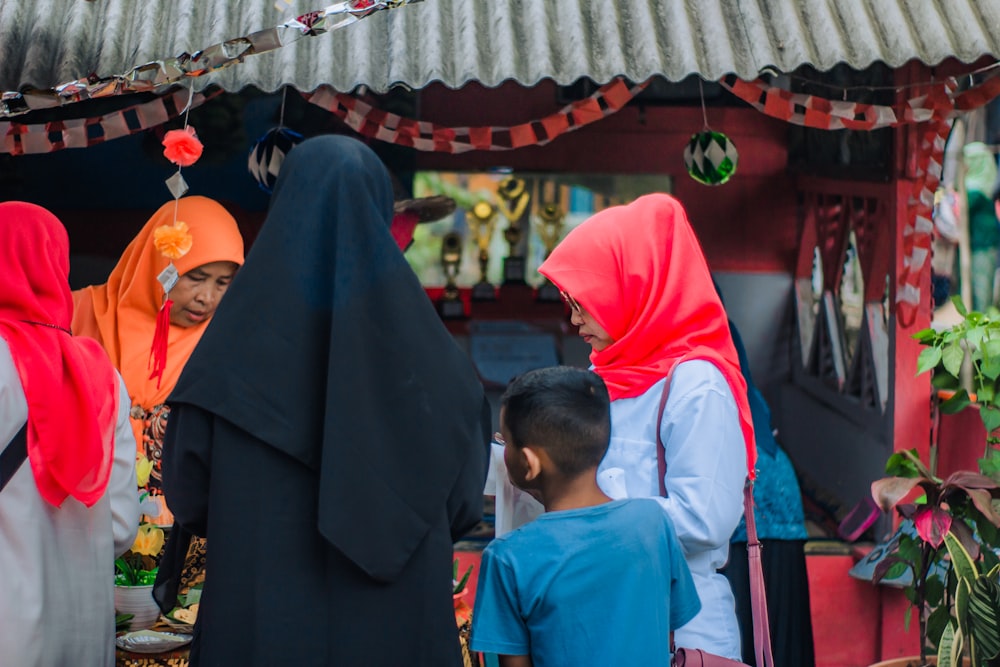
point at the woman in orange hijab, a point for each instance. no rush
(642, 296)
(129, 313)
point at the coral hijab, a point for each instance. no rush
(70, 386)
(639, 271)
(121, 313)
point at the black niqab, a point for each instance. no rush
(327, 348)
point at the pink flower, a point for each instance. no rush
(182, 147)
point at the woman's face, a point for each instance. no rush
(592, 333)
(198, 292)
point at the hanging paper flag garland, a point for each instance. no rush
(710, 157)
(425, 136)
(19, 139)
(939, 100)
(268, 153)
(159, 73)
(919, 229)
(937, 104)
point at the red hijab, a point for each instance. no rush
(639, 271)
(69, 383)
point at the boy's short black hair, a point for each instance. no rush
(563, 410)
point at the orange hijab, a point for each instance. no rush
(121, 313)
(639, 271)
(70, 386)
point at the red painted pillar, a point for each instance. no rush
(911, 418)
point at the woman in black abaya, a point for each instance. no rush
(330, 437)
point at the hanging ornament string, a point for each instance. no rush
(710, 157)
(182, 148)
(268, 152)
(704, 111)
(281, 115)
(425, 136)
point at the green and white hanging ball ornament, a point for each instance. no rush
(710, 157)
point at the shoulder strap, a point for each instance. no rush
(13, 456)
(758, 598)
(661, 457)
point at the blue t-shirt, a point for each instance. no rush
(602, 585)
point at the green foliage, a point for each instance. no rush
(459, 585)
(974, 339)
(121, 621)
(957, 519)
(130, 572)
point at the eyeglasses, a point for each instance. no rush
(572, 302)
(497, 438)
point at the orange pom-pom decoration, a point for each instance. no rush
(173, 241)
(182, 147)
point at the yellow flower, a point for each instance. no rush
(143, 467)
(149, 540)
(173, 241)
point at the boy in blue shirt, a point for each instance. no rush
(592, 581)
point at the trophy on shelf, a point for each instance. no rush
(484, 219)
(450, 305)
(513, 202)
(549, 229)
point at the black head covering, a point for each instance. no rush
(327, 348)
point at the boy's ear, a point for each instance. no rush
(533, 463)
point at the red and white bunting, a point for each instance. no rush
(935, 107)
(374, 123)
(919, 230)
(20, 139)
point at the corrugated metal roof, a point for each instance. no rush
(44, 43)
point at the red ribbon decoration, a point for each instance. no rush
(158, 352)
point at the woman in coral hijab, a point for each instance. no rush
(202, 241)
(150, 333)
(68, 504)
(642, 296)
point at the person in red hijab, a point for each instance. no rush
(68, 498)
(642, 296)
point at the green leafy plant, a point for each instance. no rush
(975, 341)
(138, 565)
(955, 513)
(953, 556)
(122, 622)
(458, 585)
(131, 571)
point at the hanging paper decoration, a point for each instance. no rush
(268, 153)
(182, 147)
(159, 73)
(23, 139)
(421, 135)
(934, 107)
(919, 229)
(710, 157)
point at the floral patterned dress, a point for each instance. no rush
(154, 425)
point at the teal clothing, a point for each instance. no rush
(595, 586)
(777, 500)
(984, 232)
(983, 268)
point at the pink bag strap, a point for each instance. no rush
(758, 598)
